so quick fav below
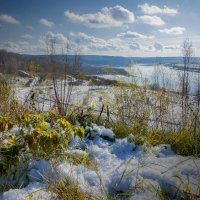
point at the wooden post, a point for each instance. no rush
(108, 114)
(101, 112)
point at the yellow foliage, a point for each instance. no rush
(79, 132)
(10, 141)
(5, 124)
(64, 124)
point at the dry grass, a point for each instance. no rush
(4, 95)
(66, 191)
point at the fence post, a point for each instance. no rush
(108, 114)
(101, 112)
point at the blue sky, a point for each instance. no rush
(105, 27)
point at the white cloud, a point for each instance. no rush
(23, 42)
(58, 38)
(11, 46)
(30, 28)
(132, 35)
(8, 19)
(151, 20)
(84, 38)
(91, 42)
(151, 10)
(172, 47)
(107, 17)
(135, 46)
(95, 45)
(158, 46)
(46, 22)
(27, 36)
(173, 31)
(22, 47)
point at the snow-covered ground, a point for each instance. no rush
(121, 167)
(45, 96)
(85, 94)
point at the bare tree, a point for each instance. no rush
(50, 45)
(63, 85)
(156, 75)
(76, 62)
(187, 53)
(63, 93)
(198, 88)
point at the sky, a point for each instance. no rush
(138, 28)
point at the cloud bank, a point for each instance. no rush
(134, 35)
(8, 19)
(152, 10)
(150, 20)
(46, 22)
(173, 31)
(107, 17)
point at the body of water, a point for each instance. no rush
(161, 75)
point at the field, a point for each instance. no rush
(123, 141)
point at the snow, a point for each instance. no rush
(22, 93)
(33, 191)
(101, 131)
(39, 171)
(120, 166)
(44, 100)
(35, 81)
(87, 180)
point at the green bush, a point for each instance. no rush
(4, 94)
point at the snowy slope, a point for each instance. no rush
(121, 168)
